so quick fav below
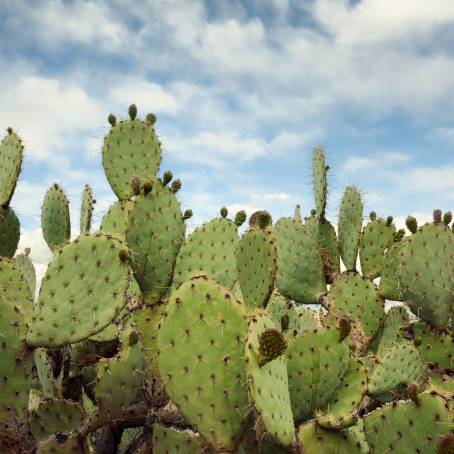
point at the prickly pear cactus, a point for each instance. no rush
(392, 331)
(131, 149)
(83, 290)
(86, 210)
(319, 181)
(201, 360)
(115, 221)
(169, 440)
(9, 232)
(11, 152)
(24, 263)
(350, 222)
(55, 221)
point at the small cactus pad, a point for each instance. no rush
(436, 346)
(353, 296)
(300, 318)
(211, 250)
(317, 440)
(350, 222)
(346, 399)
(61, 443)
(390, 287)
(317, 362)
(392, 331)
(300, 274)
(9, 232)
(168, 440)
(268, 385)
(86, 210)
(376, 238)
(11, 151)
(82, 291)
(55, 221)
(131, 148)
(257, 265)
(54, 415)
(45, 372)
(398, 367)
(407, 427)
(425, 273)
(319, 181)
(201, 360)
(24, 263)
(115, 221)
(155, 234)
(119, 379)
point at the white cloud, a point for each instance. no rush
(356, 164)
(271, 196)
(428, 180)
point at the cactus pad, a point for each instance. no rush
(268, 385)
(168, 440)
(11, 151)
(300, 274)
(9, 232)
(390, 287)
(24, 263)
(55, 222)
(319, 181)
(350, 222)
(115, 221)
(131, 148)
(83, 290)
(201, 359)
(86, 210)
(257, 265)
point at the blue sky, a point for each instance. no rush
(243, 90)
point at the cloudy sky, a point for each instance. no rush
(243, 90)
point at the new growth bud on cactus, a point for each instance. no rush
(132, 111)
(373, 216)
(187, 214)
(399, 235)
(413, 393)
(260, 219)
(112, 119)
(167, 177)
(412, 224)
(135, 185)
(240, 218)
(150, 119)
(224, 212)
(176, 185)
(437, 215)
(447, 218)
(389, 220)
(147, 186)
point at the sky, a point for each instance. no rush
(243, 91)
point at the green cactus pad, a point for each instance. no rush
(128, 437)
(406, 427)
(86, 210)
(9, 232)
(346, 399)
(353, 296)
(399, 366)
(11, 151)
(54, 415)
(425, 273)
(44, 369)
(268, 385)
(257, 266)
(15, 365)
(211, 250)
(390, 287)
(201, 359)
(300, 318)
(168, 440)
(25, 265)
(62, 443)
(82, 291)
(350, 223)
(436, 346)
(319, 181)
(55, 222)
(116, 219)
(119, 380)
(317, 362)
(131, 148)
(300, 274)
(392, 331)
(317, 440)
(155, 234)
(376, 238)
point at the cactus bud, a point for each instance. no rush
(167, 177)
(389, 220)
(417, 341)
(271, 345)
(224, 212)
(187, 215)
(150, 119)
(344, 328)
(124, 255)
(437, 216)
(240, 217)
(313, 212)
(412, 224)
(446, 444)
(135, 185)
(9, 130)
(147, 186)
(260, 219)
(112, 119)
(399, 235)
(412, 391)
(176, 185)
(27, 251)
(447, 217)
(297, 215)
(285, 320)
(132, 111)
(133, 338)
(372, 215)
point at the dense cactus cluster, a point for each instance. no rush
(143, 339)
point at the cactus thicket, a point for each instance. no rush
(274, 338)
